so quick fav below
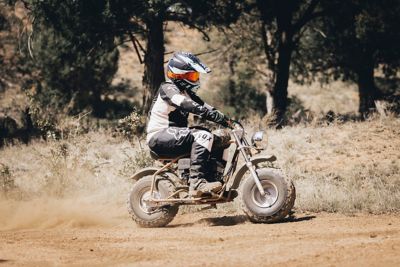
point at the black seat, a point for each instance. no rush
(156, 156)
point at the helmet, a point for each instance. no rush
(184, 71)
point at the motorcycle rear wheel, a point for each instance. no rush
(275, 205)
(145, 215)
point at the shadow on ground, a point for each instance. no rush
(223, 221)
(238, 219)
(292, 218)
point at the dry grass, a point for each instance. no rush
(348, 167)
(91, 164)
(352, 167)
(339, 97)
(80, 181)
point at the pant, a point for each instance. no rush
(176, 141)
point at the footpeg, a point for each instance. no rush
(212, 206)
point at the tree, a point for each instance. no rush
(73, 61)
(9, 56)
(239, 76)
(194, 14)
(284, 22)
(352, 44)
(97, 21)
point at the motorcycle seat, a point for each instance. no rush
(163, 158)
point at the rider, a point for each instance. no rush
(167, 130)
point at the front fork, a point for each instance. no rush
(249, 164)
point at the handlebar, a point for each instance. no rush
(237, 123)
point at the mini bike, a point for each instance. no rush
(266, 195)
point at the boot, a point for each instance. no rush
(200, 186)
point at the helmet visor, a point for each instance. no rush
(192, 76)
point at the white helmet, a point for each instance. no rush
(184, 71)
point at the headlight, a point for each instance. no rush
(257, 136)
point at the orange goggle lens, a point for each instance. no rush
(190, 76)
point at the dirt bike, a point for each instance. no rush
(266, 195)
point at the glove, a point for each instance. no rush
(218, 117)
(227, 122)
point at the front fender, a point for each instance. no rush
(238, 175)
(144, 172)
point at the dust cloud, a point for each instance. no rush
(43, 213)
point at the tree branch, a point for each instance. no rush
(206, 37)
(198, 54)
(175, 16)
(265, 44)
(184, 19)
(207, 52)
(134, 40)
(308, 15)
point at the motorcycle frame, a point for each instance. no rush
(242, 147)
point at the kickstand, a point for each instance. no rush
(212, 206)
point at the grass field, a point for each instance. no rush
(346, 168)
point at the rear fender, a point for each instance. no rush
(144, 172)
(238, 175)
(152, 170)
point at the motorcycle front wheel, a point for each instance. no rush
(275, 204)
(142, 212)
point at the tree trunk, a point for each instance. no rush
(99, 108)
(285, 47)
(277, 95)
(154, 61)
(279, 92)
(367, 90)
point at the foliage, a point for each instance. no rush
(73, 44)
(9, 56)
(351, 44)
(283, 24)
(131, 126)
(239, 79)
(199, 15)
(240, 93)
(72, 61)
(82, 35)
(335, 45)
(134, 163)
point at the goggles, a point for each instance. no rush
(192, 76)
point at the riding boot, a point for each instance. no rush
(200, 186)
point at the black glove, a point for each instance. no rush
(218, 117)
(228, 123)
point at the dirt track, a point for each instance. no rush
(209, 238)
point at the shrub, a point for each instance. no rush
(131, 126)
(6, 180)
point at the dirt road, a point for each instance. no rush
(211, 239)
